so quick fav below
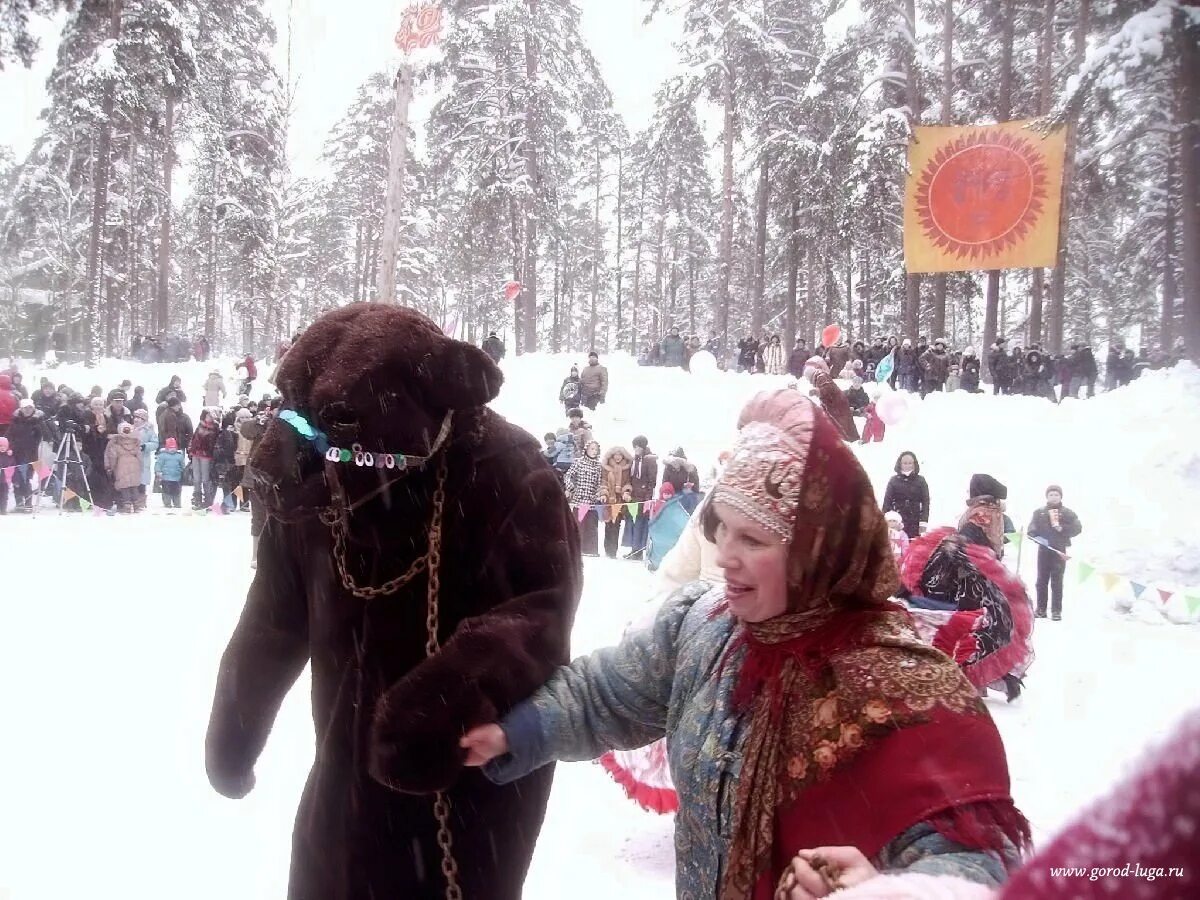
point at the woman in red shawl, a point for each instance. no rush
(801, 710)
(985, 617)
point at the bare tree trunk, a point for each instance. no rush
(789, 311)
(135, 229)
(1170, 289)
(620, 240)
(385, 279)
(691, 282)
(596, 251)
(1045, 68)
(358, 260)
(659, 238)
(939, 280)
(1058, 280)
(1188, 86)
(637, 266)
(100, 175)
(912, 281)
(1004, 113)
(210, 274)
(529, 152)
(760, 246)
(725, 251)
(164, 234)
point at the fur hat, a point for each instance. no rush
(987, 486)
(1054, 488)
(894, 519)
(26, 403)
(125, 428)
(242, 415)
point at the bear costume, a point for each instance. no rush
(388, 717)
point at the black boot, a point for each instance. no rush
(1012, 687)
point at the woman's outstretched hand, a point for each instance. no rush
(483, 744)
(824, 871)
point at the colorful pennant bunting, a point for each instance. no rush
(1085, 572)
(1110, 580)
(1138, 589)
(1166, 595)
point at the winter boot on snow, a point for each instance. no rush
(1012, 687)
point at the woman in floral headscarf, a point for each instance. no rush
(794, 698)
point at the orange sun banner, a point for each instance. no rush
(983, 197)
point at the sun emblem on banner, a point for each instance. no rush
(982, 193)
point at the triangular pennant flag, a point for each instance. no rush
(1138, 589)
(68, 495)
(84, 504)
(1110, 580)
(1015, 538)
(1193, 604)
(582, 511)
(632, 509)
(237, 492)
(44, 472)
(8, 473)
(1085, 572)
(98, 511)
(1166, 595)
(217, 508)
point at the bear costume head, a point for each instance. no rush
(380, 376)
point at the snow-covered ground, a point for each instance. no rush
(111, 628)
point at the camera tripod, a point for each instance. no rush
(68, 455)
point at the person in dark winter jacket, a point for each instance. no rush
(857, 397)
(678, 471)
(593, 382)
(799, 356)
(6, 463)
(837, 356)
(908, 494)
(137, 400)
(907, 372)
(673, 350)
(116, 414)
(25, 435)
(935, 367)
(642, 478)
(1084, 371)
(45, 398)
(174, 387)
(970, 372)
(748, 348)
(1112, 366)
(1053, 527)
(571, 392)
(494, 347)
(173, 422)
(1001, 367)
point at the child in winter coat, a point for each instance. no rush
(224, 454)
(954, 380)
(896, 535)
(123, 463)
(6, 463)
(149, 440)
(169, 468)
(875, 429)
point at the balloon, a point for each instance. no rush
(892, 408)
(831, 335)
(703, 363)
(512, 291)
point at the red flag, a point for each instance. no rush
(1165, 594)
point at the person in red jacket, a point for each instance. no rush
(251, 374)
(8, 403)
(201, 450)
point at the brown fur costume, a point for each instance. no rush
(387, 719)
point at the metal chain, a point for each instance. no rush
(432, 560)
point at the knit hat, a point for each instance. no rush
(893, 518)
(242, 415)
(987, 486)
(26, 404)
(172, 444)
(1054, 488)
(126, 428)
(117, 395)
(142, 414)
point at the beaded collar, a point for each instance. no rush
(356, 454)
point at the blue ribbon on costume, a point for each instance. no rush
(313, 435)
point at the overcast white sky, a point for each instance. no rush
(333, 52)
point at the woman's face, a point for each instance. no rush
(755, 564)
(908, 464)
